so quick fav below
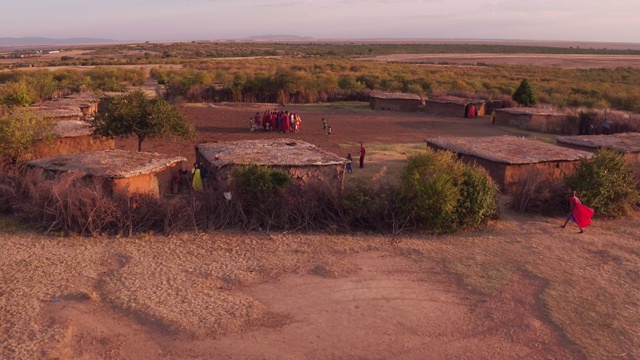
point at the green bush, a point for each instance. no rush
(260, 193)
(20, 129)
(443, 194)
(606, 183)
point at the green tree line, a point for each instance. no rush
(21, 87)
(318, 80)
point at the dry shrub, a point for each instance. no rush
(538, 194)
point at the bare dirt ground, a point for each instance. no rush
(387, 136)
(521, 288)
(554, 60)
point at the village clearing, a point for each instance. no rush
(522, 287)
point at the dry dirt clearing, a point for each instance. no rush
(523, 288)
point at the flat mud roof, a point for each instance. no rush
(624, 142)
(278, 152)
(108, 163)
(508, 149)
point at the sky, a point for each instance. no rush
(184, 20)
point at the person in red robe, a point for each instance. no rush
(580, 214)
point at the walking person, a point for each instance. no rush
(361, 153)
(580, 214)
(329, 130)
(324, 124)
(350, 160)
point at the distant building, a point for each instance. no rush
(121, 171)
(78, 106)
(454, 106)
(395, 101)
(535, 119)
(510, 159)
(305, 162)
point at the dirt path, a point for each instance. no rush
(232, 296)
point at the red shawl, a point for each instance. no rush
(581, 213)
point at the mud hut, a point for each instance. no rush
(540, 120)
(511, 159)
(122, 171)
(453, 106)
(58, 112)
(626, 143)
(305, 162)
(70, 137)
(395, 101)
(80, 106)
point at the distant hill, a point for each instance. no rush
(278, 37)
(9, 41)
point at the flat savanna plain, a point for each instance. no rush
(520, 288)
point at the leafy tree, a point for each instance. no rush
(524, 94)
(20, 129)
(123, 115)
(605, 183)
(15, 94)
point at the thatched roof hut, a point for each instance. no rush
(395, 101)
(454, 106)
(131, 172)
(511, 159)
(626, 143)
(305, 162)
(536, 119)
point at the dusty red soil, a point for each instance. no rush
(311, 296)
(349, 128)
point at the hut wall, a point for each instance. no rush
(219, 178)
(444, 109)
(404, 105)
(509, 176)
(544, 123)
(549, 170)
(156, 184)
(70, 145)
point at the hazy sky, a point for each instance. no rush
(154, 20)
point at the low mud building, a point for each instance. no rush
(70, 137)
(79, 106)
(395, 101)
(454, 106)
(121, 171)
(304, 162)
(510, 160)
(540, 120)
(628, 144)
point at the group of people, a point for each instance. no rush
(282, 121)
(190, 180)
(361, 153)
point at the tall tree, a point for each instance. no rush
(524, 94)
(123, 115)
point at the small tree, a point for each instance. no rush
(20, 129)
(134, 113)
(524, 94)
